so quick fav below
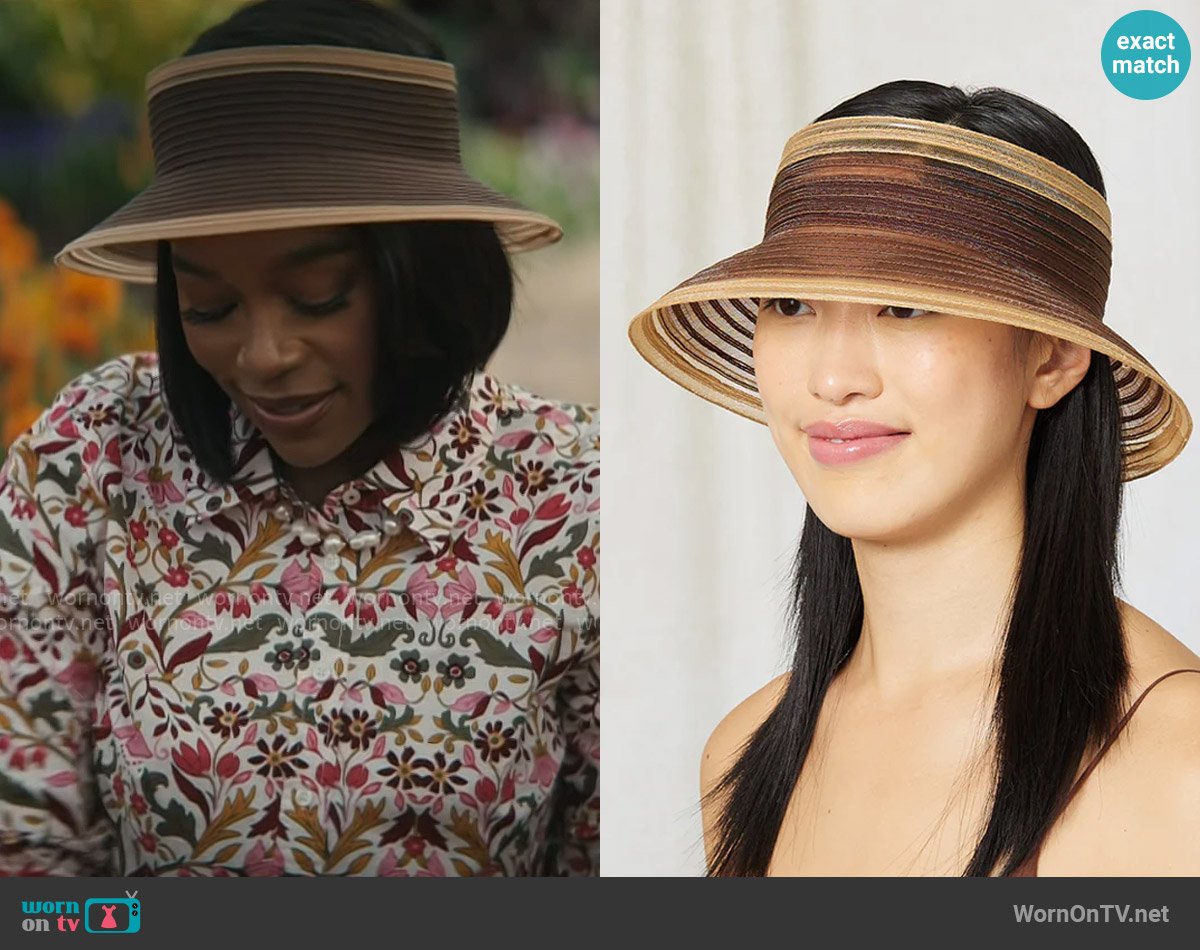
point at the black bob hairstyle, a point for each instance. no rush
(444, 289)
(1063, 672)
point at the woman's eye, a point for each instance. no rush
(906, 313)
(192, 315)
(337, 302)
(787, 306)
(326, 306)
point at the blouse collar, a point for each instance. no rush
(425, 485)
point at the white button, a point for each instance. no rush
(351, 496)
(392, 526)
(305, 797)
(332, 544)
(282, 512)
(309, 535)
(365, 539)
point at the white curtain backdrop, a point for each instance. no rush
(701, 515)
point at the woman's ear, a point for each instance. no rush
(1054, 368)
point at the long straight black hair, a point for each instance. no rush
(1063, 673)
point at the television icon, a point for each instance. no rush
(113, 915)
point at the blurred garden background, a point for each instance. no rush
(74, 147)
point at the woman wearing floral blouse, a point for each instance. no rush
(308, 591)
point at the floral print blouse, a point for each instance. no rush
(207, 679)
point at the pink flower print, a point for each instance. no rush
(177, 577)
(556, 506)
(79, 678)
(366, 613)
(112, 451)
(241, 606)
(389, 866)
(138, 530)
(587, 557)
(76, 516)
(485, 790)
(160, 485)
(328, 774)
(195, 760)
(545, 769)
(357, 776)
(420, 594)
(168, 537)
(263, 863)
(573, 596)
(24, 509)
(67, 429)
(460, 597)
(300, 583)
(555, 415)
(135, 742)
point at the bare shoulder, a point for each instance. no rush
(1153, 771)
(1153, 650)
(739, 724)
(722, 747)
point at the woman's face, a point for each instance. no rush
(276, 315)
(962, 395)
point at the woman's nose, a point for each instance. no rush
(842, 358)
(269, 346)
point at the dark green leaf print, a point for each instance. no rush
(378, 642)
(547, 564)
(491, 650)
(249, 636)
(46, 706)
(11, 542)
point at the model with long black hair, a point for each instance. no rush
(962, 661)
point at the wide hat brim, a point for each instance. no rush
(215, 198)
(700, 335)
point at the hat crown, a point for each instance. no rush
(301, 102)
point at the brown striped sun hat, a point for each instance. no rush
(269, 137)
(909, 213)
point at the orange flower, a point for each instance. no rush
(76, 333)
(97, 298)
(18, 247)
(19, 420)
(18, 387)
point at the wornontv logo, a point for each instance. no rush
(99, 915)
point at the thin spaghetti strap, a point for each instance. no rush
(1028, 867)
(1121, 724)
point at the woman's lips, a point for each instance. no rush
(850, 440)
(290, 422)
(829, 452)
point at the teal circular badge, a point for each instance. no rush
(1145, 54)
